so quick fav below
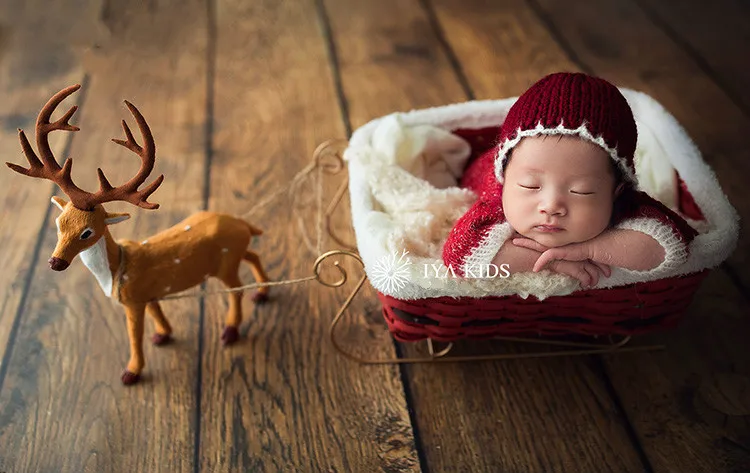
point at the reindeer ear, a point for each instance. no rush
(112, 219)
(59, 202)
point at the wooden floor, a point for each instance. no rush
(239, 93)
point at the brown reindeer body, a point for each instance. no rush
(208, 245)
(138, 274)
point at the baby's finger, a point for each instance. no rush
(604, 268)
(584, 277)
(544, 259)
(530, 244)
(593, 272)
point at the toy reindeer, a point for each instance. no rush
(137, 274)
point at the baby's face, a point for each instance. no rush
(558, 190)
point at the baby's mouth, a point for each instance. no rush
(548, 228)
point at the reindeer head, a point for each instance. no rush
(83, 220)
(78, 230)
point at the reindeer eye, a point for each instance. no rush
(86, 234)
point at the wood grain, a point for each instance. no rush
(389, 59)
(21, 84)
(501, 45)
(690, 403)
(63, 407)
(714, 122)
(714, 34)
(704, 364)
(512, 416)
(282, 399)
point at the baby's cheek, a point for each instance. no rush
(515, 219)
(599, 218)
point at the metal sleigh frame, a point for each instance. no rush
(565, 348)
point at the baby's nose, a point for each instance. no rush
(559, 212)
(553, 207)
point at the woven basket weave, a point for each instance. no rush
(626, 310)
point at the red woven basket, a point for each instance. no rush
(625, 310)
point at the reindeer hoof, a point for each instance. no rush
(260, 297)
(230, 335)
(129, 378)
(159, 340)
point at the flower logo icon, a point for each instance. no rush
(391, 272)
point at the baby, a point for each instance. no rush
(569, 202)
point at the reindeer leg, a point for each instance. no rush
(261, 295)
(163, 329)
(234, 315)
(135, 314)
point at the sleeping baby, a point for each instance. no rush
(559, 191)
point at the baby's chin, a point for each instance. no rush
(551, 240)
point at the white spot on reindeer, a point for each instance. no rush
(177, 260)
(144, 242)
(225, 250)
(124, 277)
(187, 227)
(166, 289)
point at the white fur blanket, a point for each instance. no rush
(404, 169)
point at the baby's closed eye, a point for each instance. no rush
(572, 191)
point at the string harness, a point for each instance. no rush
(326, 159)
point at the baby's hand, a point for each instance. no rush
(583, 269)
(587, 272)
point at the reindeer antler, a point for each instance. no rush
(129, 192)
(47, 167)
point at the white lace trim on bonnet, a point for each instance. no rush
(581, 131)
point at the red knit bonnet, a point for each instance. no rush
(573, 104)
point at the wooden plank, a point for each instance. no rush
(282, 399)
(714, 35)
(689, 403)
(501, 46)
(671, 77)
(686, 403)
(24, 86)
(515, 416)
(384, 64)
(63, 406)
